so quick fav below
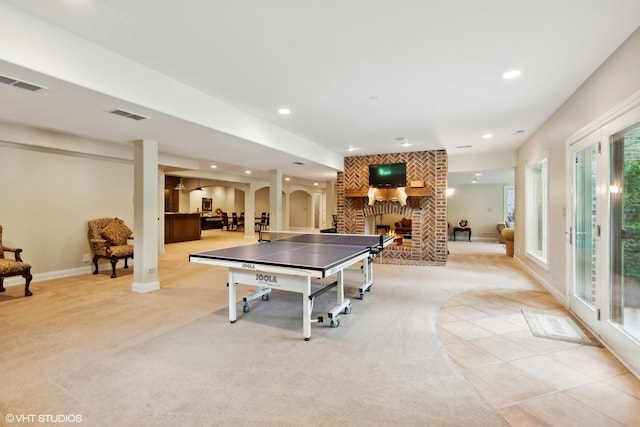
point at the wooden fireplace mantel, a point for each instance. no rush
(360, 195)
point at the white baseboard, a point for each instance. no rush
(145, 287)
(561, 297)
(59, 274)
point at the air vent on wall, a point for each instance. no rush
(19, 83)
(128, 114)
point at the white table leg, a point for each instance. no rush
(232, 297)
(306, 310)
(340, 290)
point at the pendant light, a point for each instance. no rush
(180, 186)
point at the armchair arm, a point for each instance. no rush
(97, 244)
(16, 252)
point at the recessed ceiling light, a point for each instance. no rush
(478, 174)
(287, 178)
(475, 181)
(374, 98)
(520, 131)
(248, 172)
(511, 74)
(284, 111)
(464, 146)
(213, 167)
(315, 183)
(487, 136)
(403, 141)
(298, 163)
(351, 149)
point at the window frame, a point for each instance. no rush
(537, 210)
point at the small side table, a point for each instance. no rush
(456, 229)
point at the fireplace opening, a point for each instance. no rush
(390, 224)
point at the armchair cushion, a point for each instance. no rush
(9, 267)
(116, 233)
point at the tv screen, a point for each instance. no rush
(389, 175)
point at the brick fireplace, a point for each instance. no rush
(428, 213)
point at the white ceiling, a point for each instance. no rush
(355, 73)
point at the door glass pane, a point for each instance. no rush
(584, 226)
(625, 230)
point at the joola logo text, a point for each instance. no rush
(266, 278)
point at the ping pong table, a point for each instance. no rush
(290, 261)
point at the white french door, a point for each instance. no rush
(603, 227)
(584, 243)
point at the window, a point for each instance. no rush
(536, 210)
(509, 205)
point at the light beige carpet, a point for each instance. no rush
(87, 345)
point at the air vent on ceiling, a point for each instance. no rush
(19, 83)
(128, 114)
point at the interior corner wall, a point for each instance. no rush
(480, 204)
(49, 195)
(429, 221)
(616, 80)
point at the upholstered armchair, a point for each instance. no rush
(403, 226)
(108, 238)
(14, 267)
(499, 227)
(508, 236)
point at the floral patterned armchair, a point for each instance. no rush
(14, 267)
(108, 238)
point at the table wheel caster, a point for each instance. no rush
(347, 310)
(245, 308)
(335, 323)
(265, 297)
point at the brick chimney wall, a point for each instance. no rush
(429, 220)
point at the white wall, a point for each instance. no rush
(47, 197)
(262, 201)
(225, 198)
(300, 213)
(616, 80)
(480, 204)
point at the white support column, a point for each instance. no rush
(145, 208)
(275, 200)
(286, 217)
(330, 202)
(249, 211)
(161, 178)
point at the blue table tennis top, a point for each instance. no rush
(309, 251)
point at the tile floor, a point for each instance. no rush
(534, 381)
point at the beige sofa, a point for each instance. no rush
(507, 236)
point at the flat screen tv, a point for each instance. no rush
(388, 175)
